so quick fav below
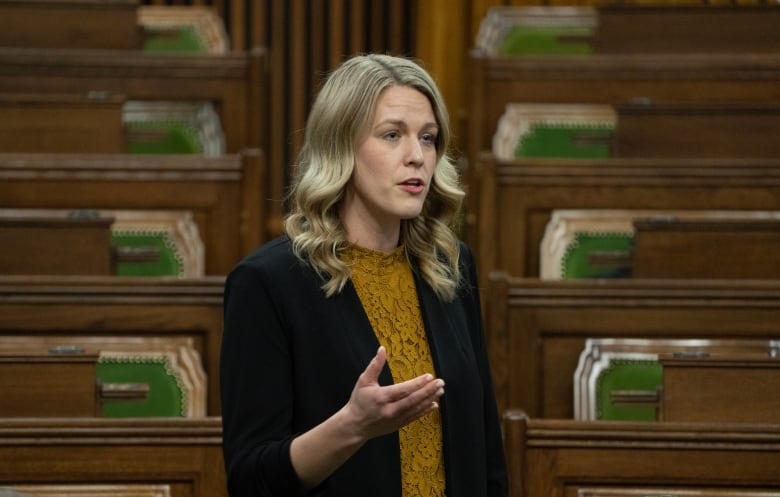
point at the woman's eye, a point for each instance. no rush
(392, 135)
(429, 138)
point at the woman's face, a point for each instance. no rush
(395, 161)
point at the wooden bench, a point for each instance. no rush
(108, 376)
(519, 196)
(181, 457)
(221, 192)
(633, 459)
(124, 307)
(536, 329)
(70, 24)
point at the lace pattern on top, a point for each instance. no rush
(385, 285)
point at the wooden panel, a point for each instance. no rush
(697, 130)
(185, 454)
(221, 192)
(56, 246)
(537, 329)
(70, 24)
(733, 388)
(692, 28)
(113, 306)
(62, 123)
(621, 459)
(698, 248)
(306, 41)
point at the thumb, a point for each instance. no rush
(371, 373)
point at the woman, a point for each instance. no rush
(339, 336)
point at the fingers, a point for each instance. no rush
(378, 410)
(415, 389)
(371, 374)
(413, 398)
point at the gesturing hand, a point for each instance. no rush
(371, 411)
(378, 410)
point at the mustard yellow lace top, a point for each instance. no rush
(386, 289)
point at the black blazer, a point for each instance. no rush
(290, 359)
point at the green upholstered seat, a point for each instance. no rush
(182, 28)
(163, 138)
(168, 127)
(543, 40)
(167, 395)
(627, 375)
(579, 131)
(178, 39)
(537, 30)
(578, 261)
(168, 263)
(562, 140)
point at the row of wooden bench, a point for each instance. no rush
(561, 457)
(537, 330)
(677, 146)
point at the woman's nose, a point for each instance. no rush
(414, 153)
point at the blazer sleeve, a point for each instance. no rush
(497, 480)
(255, 388)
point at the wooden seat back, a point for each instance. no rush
(71, 24)
(181, 455)
(620, 459)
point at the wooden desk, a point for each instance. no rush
(48, 383)
(731, 388)
(706, 248)
(71, 24)
(678, 28)
(697, 130)
(56, 245)
(61, 123)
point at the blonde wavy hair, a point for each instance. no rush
(340, 115)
